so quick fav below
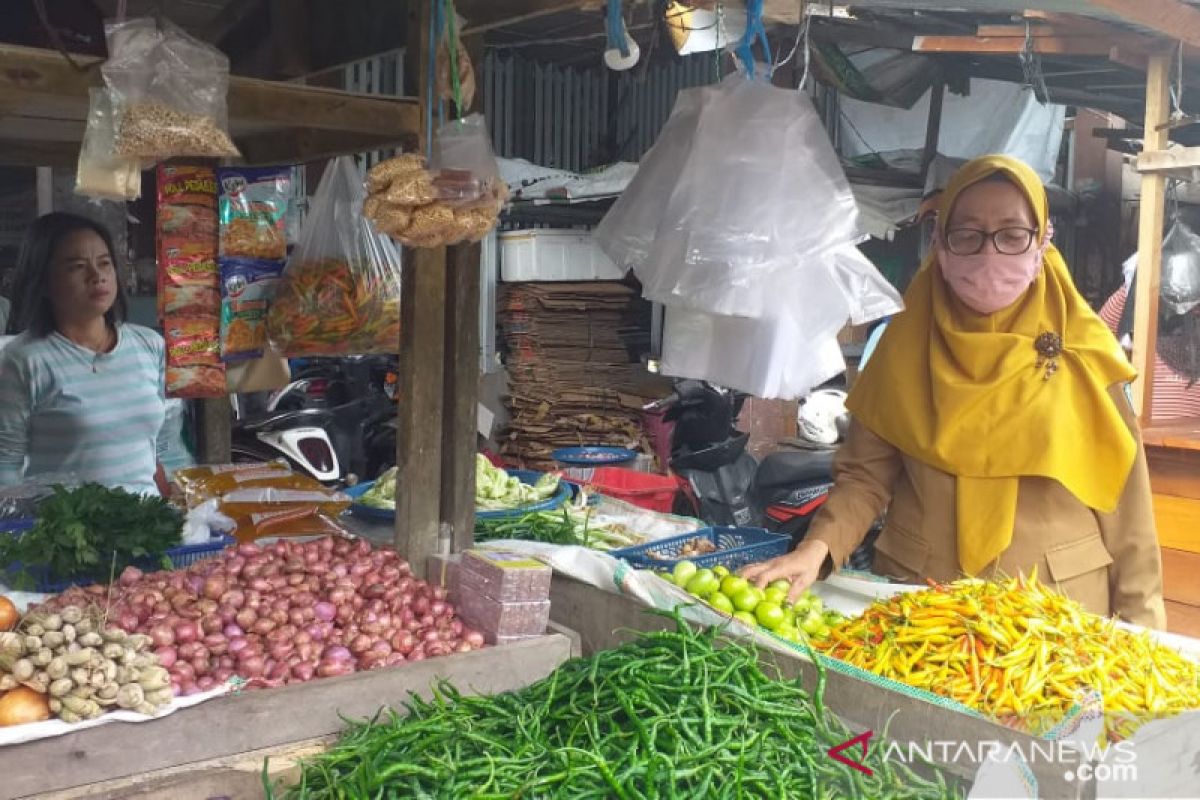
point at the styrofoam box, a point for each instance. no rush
(554, 255)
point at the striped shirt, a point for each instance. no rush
(95, 416)
(1172, 397)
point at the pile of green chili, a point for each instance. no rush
(678, 713)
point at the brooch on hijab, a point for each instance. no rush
(1049, 347)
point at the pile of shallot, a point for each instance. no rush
(283, 612)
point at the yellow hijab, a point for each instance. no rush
(964, 393)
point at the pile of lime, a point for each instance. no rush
(768, 608)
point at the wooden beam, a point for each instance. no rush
(1182, 163)
(1151, 208)
(1172, 19)
(486, 15)
(1045, 45)
(461, 395)
(26, 153)
(35, 81)
(309, 146)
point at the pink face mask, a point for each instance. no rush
(988, 282)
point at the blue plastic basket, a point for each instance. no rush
(736, 547)
(182, 556)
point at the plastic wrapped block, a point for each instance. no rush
(503, 577)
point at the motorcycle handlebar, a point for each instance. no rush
(664, 403)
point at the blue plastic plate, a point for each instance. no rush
(593, 456)
(358, 490)
(561, 496)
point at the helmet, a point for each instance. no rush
(822, 417)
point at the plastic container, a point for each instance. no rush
(180, 557)
(736, 547)
(554, 255)
(495, 620)
(502, 577)
(642, 489)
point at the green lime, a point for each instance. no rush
(812, 623)
(720, 602)
(746, 600)
(683, 572)
(720, 571)
(703, 583)
(746, 617)
(731, 585)
(769, 615)
(775, 595)
(786, 586)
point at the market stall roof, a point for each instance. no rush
(44, 103)
(1092, 53)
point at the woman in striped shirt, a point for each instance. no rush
(1176, 394)
(81, 390)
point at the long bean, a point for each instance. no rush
(675, 713)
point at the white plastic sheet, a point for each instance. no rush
(996, 117)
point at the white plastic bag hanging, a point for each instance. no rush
(101, 175)
(762, 190)
(1180, 291)
(870, 295)
(169, 92)
(626, 234)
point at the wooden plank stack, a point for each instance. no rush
(575, 378)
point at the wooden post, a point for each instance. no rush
(1150, 235)
(461, 395)
(422, 344)
(214, 430)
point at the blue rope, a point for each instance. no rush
(754, 30)
(616, 30)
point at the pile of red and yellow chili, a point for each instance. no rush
(1019, 652)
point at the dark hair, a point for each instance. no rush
(31, 310)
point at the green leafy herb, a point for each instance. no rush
(84, 533)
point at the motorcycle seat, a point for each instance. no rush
(788, 468)
(302, 417)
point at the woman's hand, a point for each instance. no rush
(802, 566)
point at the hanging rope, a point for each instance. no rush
(616, 28)
(802, 34)
(1031, 67)
(1176, 88)
(452, 48)
(754, 32)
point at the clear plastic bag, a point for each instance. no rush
(739, 213)
(340, 293)
(627, 232)
(1180, 291)
(102, 175)
(464, 165)
(19, 502)
(168, 90)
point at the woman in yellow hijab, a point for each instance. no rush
(993, 423)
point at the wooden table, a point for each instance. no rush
(1173, 451)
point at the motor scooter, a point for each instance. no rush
(727, 486)
(324, 421)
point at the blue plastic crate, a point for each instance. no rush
(182, 556)
(736, 547)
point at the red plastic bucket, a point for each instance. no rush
(642, 489)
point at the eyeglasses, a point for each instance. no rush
(1007, 241)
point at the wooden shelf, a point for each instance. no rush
(1182, 434)
(44, 103)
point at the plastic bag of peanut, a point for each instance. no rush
(168, 91)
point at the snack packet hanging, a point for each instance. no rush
(188, 281)
(253, 210)
(340, 292)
